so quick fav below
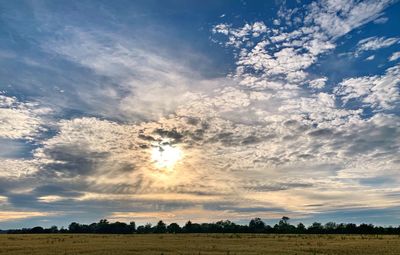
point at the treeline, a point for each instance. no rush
(255, 225)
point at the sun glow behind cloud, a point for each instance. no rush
(166, 156)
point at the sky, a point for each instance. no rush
(199, 110)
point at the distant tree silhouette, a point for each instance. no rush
(255, 225)
(140, 230)
(174, 228)
(284, 227)
(53, 229)
(37, 230)
(74, 228)
(160, 227)
(301, 228)
(330, 227)
(315, 228)
(132, 227)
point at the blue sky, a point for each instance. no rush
(199, 110)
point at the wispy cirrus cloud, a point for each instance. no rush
(395, 56)
(375, 43)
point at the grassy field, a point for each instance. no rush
(196, 244)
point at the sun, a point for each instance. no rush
(165, 156)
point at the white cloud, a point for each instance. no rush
(304, 134)
(381, 20)
(17, 168)
(375, 43)
(318, 83)
(238, 36)
(372, 57)
(296, 50)
(337, 18)
(381, 92)
(147, 82)
(259, 28)
(395, 56)
(20, 120)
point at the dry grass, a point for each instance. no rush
(66, 244)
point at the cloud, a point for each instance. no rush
(372, 57)
(295, 49)
(147, 82)
(238, 36)
(18, 215)
(16, 168)
(381, 20)
(380, 92)
(337, 18)
(318, 83)
(20, 120)
(301, 125)
(375, 43)
(395, 56)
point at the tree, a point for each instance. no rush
(53, 229)
(37, 230)
(226, 226)
(284, 220)
(284, 226)
(301, 228)
(330, 227)
(174, 228)
(315, 228)
(160, 227)
(118, 228)
(140, 230)
(74, 227)
(102, 226)
(132, 227)
(148, 228)
(256, 225)
(188, 227)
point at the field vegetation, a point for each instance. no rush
(196, 244)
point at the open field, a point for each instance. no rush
(77, 244)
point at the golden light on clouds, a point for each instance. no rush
(166, 156)
(13, 215)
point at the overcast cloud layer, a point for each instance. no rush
(274, 116)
